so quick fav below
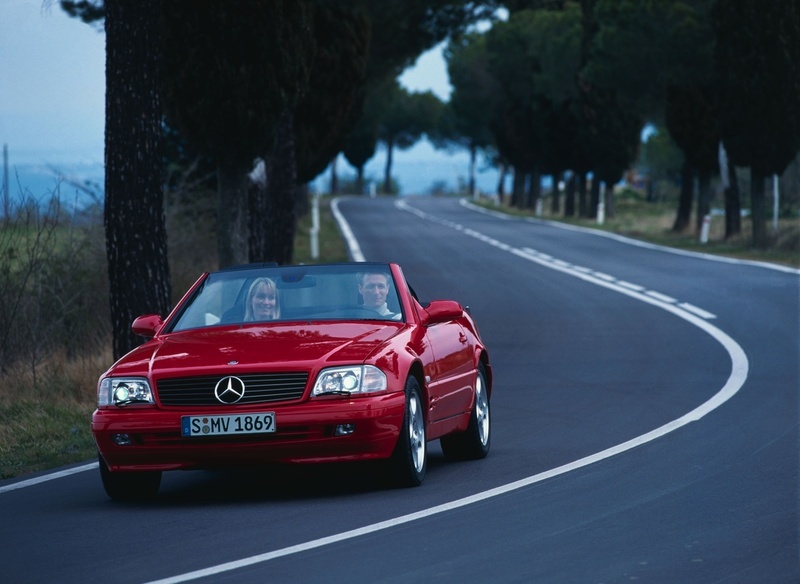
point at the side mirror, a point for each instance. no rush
(147, 325)
(441, 311)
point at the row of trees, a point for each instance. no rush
(559, 85)
(569, 85)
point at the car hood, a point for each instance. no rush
(256, 346)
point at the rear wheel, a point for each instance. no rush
(474, 442)
(129, 486)
(409, 461)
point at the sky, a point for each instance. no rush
(52, 85)
(52, 94)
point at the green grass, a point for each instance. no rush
(40, 434)
(44, 418)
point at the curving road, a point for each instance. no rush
(645, 427)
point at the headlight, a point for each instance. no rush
(121, 391)
(349, 380)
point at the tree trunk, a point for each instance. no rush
(685, 203)
(232, 221)
(534, 188)
(569, 196)
(136, 238)
(611, 207)
(594, 197)
(281, 218)
(257, 194)
(334, 177)
(582, 203)
(473, 156)
(387, 176)
(525, 201)
(703, 198)
(733, 205)
(518, 188)
(501, 182)
(555, 203)
(758, 209)
(360, 180)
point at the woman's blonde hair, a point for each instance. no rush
(271, 287)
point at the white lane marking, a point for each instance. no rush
(661, 297)
(605, 277)
(48, 477)
(698, 311)
(636, 242)
(631, 286)
(528, 251)
(496, 214)
(737, 377)
(347, 233)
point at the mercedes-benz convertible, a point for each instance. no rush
(263, 364)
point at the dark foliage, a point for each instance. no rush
(333, 103)
(758, 63)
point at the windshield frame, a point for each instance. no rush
(305, 293)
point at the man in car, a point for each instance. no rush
(373, 288)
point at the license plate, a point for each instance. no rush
(255, 423)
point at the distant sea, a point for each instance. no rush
(76, 185)
(420, 170)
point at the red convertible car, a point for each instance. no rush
(261, 363)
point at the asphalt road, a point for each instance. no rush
(645, 428)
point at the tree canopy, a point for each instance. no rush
(559, 85)
(232, 70)
(467, 117)
(758, 64)
(404, 118)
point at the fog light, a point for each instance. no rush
(344, 429)
(121, 439)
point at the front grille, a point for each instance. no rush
(259, 388)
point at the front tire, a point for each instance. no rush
(129, 486)
(474, 442)
(409, 462)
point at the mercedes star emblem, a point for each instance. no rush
(229, 390)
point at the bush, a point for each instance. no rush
(54, 330)
(52, 284)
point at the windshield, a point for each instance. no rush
(332, 292)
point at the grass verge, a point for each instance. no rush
(652, 222)
(45, 412)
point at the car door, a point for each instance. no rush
(453, 373)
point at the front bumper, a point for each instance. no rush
(304, 434)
